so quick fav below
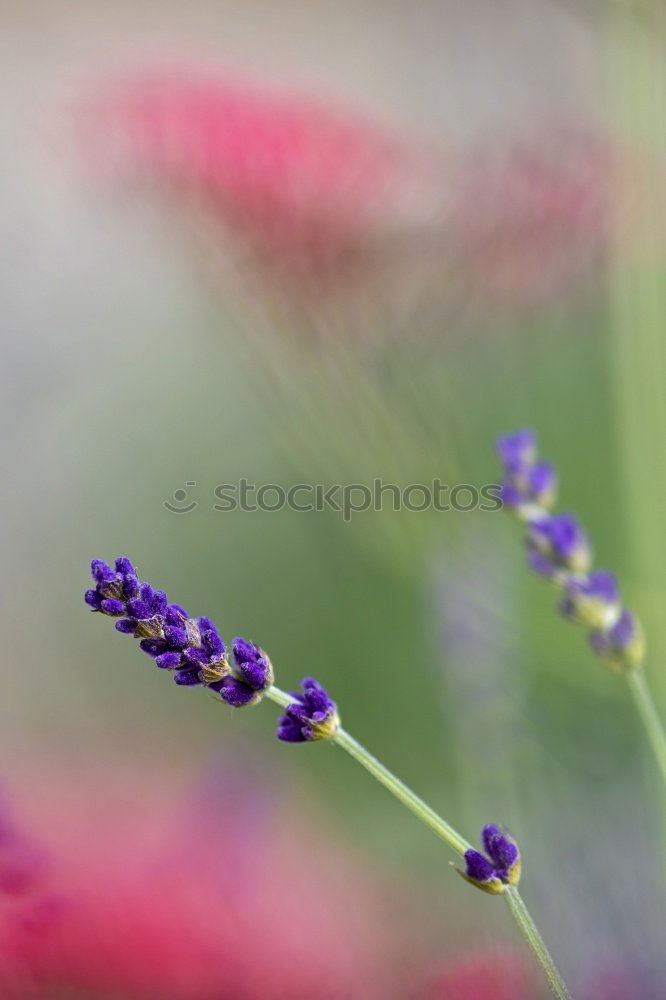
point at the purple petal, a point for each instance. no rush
(290, 733)
(159, 602)
(176, 637)
(174, 615)
(168, 661)
(235, 693)
(212, 643)
(139, 609)
(477, 867)
(112, 606)
(187, 678)
(195, 656)
(245, 651)
(624, 632)
(102, 572)
(257, 675)
(517, 450)
(500, 848)
(93, 598)
(126, 625)
(153, 646)
(124, 566)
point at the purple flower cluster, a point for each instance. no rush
(312, 716)
(254, 673)
(498, 867)
(527, 482)
(558, 549)
(193, 650)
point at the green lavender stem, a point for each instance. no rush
(442, 829)
(649, 717)
(420, 809)
(529, 931)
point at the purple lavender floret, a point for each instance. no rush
(517, 451)
(593, 600)
(501, 849)
(114, 588)
(527, 483)
(191, 648)
(252, 664)
(558, 542)
(253, 673)
(499, 867)
(622, 646)
(312, 716)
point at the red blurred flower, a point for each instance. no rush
(220, 898)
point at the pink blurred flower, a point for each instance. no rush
(306, 188)
(219, 898)
(325, 200)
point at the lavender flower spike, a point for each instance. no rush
(498, 867)
(559, 549)
(191, 648)
(312, 716)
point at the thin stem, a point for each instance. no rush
(529, 931)
(421, 809)
(440, 827)
(427, 815)
(649, 717)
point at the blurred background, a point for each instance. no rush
(325, 243)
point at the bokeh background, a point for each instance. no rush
(326, 242)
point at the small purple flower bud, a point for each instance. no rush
(517, 451)
(560, 539)
(111, 606)
(480, 872)
(93, 598)
(159, 602)
(101, 572)
(195, 656)
(235, 693)
(126, 625)
(252, 664)
(125, 567)
(176, 637)
(168, 661)
(543, 484)
(312, 716)
(593, 601)
(187, 678)
(503, 852)
(140, 609)
(500, 868)
(212, 643)
(154, 647)
(622, 647)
